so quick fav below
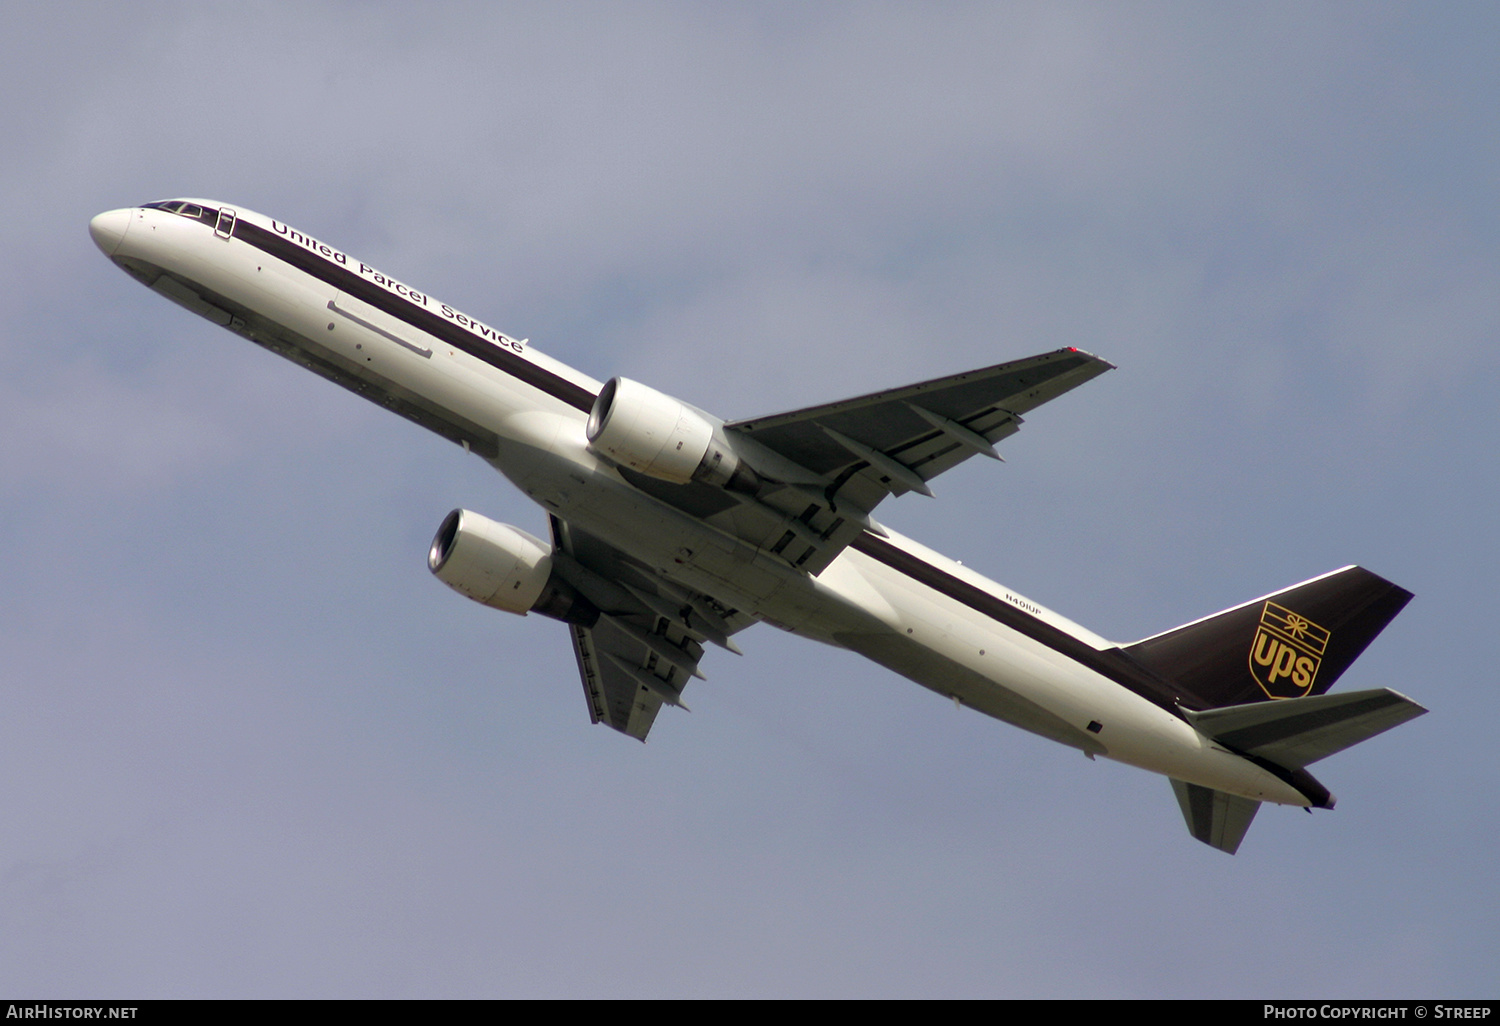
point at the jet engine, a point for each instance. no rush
(503, 567)
(638, 427)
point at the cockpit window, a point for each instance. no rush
(207, 215)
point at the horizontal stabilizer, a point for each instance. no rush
(1217, 819)
(1296, 732)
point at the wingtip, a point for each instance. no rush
(1103, 363)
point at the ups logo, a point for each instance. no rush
(1286, 652)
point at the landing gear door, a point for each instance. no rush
(225, 226)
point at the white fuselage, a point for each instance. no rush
(891, 599)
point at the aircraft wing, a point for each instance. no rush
(892, 442)
(825, 468)
(895, 441)
(646, 644)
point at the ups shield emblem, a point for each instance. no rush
(1286, 653)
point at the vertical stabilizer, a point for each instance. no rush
(1217, 819)
(1292, 644)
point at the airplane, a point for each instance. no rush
(671, 528)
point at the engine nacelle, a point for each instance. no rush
(638, 427)
(492, 563)
(503, 567)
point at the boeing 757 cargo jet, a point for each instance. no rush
(671, 529)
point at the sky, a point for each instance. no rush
(249, 747)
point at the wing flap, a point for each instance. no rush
(625, 680)
(648, 639)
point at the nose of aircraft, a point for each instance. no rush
(108, 230)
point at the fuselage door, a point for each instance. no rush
(225, 226)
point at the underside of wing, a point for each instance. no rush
(895, 441)
(823, 469)
(620, 691)
(648, 639)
